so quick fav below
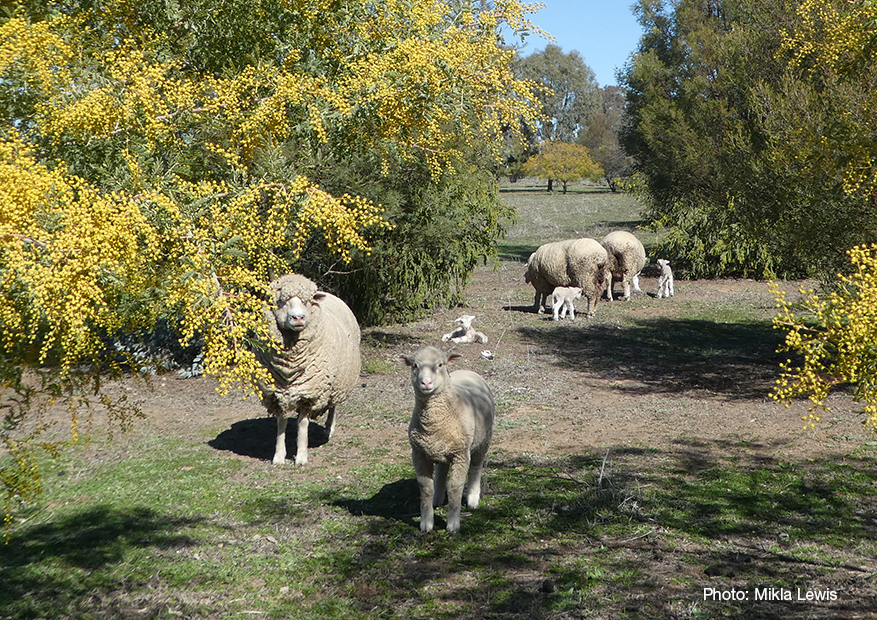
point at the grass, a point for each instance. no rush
(174, 528)
(173, 533)
(582, 212)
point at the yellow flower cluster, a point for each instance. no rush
(837, 336)
(67, 251)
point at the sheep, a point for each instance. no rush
(627, 257)
(665, 281)
(563, 301)
(450, 432)
(314, 363)
(574, 262)
(465, 333)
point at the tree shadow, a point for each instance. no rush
(670, 355)
(47, 569)
(255, 438)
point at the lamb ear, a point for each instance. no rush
(454, 356)
(409, 360)
(319, 296)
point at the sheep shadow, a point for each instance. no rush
(396, 501)
(254, 438)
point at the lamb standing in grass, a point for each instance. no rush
(665, 281)
(450, 432)
(575, 262)
(465, 333)
(316, 363)
(563, 299)
(627, 257)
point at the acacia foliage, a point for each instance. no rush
(741, 144)
(835, 333)
(162, 159)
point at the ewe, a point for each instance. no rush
(627, 257)
(316, 361)
(450, 432)
(575, 262)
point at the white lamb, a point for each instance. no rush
(563, 299)
(627, 257)
(316, 360)
(465, 333)
(665, 281)
(450, 432)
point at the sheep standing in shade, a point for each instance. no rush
(575, 262)
(464, 333)
(316, 361)
(665, 280)
(627, 257)
(563, 299)
(450, 432)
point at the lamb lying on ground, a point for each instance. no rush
(450, 432)
(465, 333)
(575, 262)
(665, 281)
(627, 257)
(563, 299)
(316, 361)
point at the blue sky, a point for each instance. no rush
(604, 32)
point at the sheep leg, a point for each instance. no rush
(441, 484)
(330, 422)
(423, 469)
(635, 281)
(473, 491)
(301, 452)
(537, 303)
(625, 285)
(280, 444)
(456, 481)
(609, 288)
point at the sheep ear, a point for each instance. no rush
(409, 361)
(319, 296)
(454, 356)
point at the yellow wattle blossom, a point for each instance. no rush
(837, 336)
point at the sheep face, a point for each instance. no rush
(429, 370)
(465, 321)
(292, 312)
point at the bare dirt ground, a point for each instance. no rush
(639, 374)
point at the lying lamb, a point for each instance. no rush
(450, 432)
(665, 281)
(563, 299)
(316, 361)
(627, 257)
(574, 262)
(465, 333)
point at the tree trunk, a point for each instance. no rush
(550, 185)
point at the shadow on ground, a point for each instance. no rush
(254, 438)
(49, 570)
(669, 355)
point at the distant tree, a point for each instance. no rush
(601, 136)
(564, 162)
(571, 96)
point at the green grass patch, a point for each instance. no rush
(587, 212)
(177, 530)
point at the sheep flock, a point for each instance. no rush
(314, 363)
